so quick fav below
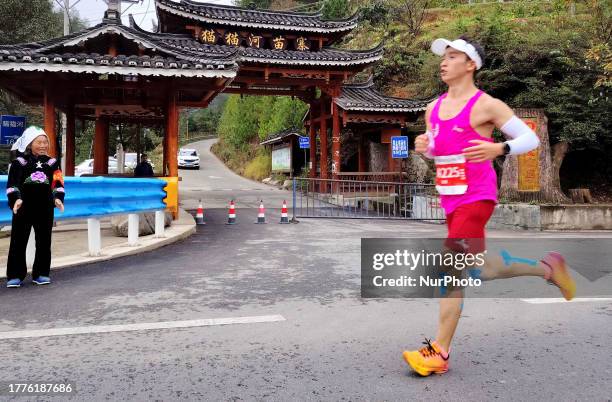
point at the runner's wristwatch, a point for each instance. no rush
(506, 148)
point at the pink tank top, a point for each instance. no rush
(450, 138)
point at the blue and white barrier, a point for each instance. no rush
(95, 197)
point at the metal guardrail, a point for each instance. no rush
(95, 197)
(352, 199)
(101, 196)
(373, 176)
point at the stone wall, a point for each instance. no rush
(552, 217)
(576, 217)
(378, 157)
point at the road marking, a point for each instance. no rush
(97, 329)
(214, 177)
(562, 300)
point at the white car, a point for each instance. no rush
(188, 158)
(131, 160)
(86, 167)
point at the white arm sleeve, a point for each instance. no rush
(523, 138)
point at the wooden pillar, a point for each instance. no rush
(362, 154)
(100, 153)
(172, 135)
(49, 121)
(323, 137)
(70, 140)
(165, 149)
(336, 162)
(313, 143)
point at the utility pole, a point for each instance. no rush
(65, 5)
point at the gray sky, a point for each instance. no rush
(92, 11)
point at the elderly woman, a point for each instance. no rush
(35, 187)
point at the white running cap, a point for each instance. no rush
(439, 47)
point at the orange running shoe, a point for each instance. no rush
(558, 274)
(428, 360)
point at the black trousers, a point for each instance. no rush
(41, 219)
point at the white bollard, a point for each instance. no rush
(132, 229)
(94, 238)
(31, 250)
(160, 222)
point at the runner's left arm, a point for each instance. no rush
(501, 115)
(523, 138)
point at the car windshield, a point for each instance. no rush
(85, 163)
(183, 152)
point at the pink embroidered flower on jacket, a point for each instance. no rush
(38, 177)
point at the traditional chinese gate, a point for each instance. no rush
(113, 73)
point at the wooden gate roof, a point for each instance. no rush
(251, 18)
(364, 97)
(86, 52)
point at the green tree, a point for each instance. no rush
(335, 9)
(260, 4)
(28, 21)
(246, 121)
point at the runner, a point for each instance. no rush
(460, 126)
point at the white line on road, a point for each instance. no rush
(561, 300)
(96, 329)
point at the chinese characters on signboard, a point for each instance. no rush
(302, 44)
(11, 128)
(209, 36)
(281, 159)
(529, 164)
(279, 43)
(255, 41)
(399, 147)
(230, 38)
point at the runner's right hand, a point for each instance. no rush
(421, 143)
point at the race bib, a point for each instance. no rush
(451, 178)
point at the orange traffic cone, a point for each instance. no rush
(284, 213)
(200, 214)
(231, 220)
(261, 216)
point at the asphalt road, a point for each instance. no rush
(317, 339)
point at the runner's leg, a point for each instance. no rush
(466, 222)
(450, 311)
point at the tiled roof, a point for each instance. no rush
(175, 55)
(364, 97)
(327, 56)
(51, 55)
(252, 18)
(277, 137)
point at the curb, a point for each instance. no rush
(180, 229)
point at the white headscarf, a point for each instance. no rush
(27, 137)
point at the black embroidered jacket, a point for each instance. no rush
(35, 180)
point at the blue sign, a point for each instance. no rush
(304, 142)
(11, 128)
(399, 147)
